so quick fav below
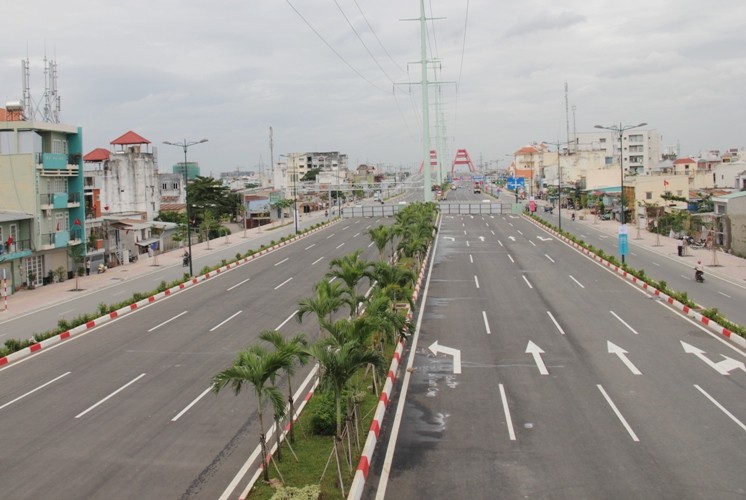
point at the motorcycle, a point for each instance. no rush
(185, 260)
(699, 276)
(102, 268)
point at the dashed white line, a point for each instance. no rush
(330, 236)
(111, 395)
(317, 260)
(624, 322)
(471, 259)
(182, 412)
(310, 246)
(721, 407)
(282, 261)
(224, 321)
(168, 321)
(506, 410)
(724, 294)
(356, 235)
(340, 246)
(493, 232)
(288, 319)
(534, 244)
(34, 390)
(556, 323)
(519, 232)
(550, 259)
(486, 323)
(618, 413)
(283, 283)
(371, 244)
(237, 285)
(467, 243)
(499, 242)
(476, 280)
(511, 258)
(527, 282)
(576, 281)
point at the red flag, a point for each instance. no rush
(77, 222)
(10, 240)
(665, 183)
(58, 226)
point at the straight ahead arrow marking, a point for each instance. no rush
(615, 349)
(536, 352)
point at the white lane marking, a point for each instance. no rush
(467, 243)
(111, 395)
(464, 233)
(289, 318)
(340, 246)
(332, 280)
(330, 236)
(550, 259)
(685, 277)
(237, 284)
(486, 323)
(506, 410)
(476, 281)
(576, 281)
(463, 225)
(371, 244)
(511, 224)
(121, 292)
(317, 260)
(618, 413)
(556, 323)
(368, 226)
(527, 282)
(167, 321)
(356, 235)
(493, 232)
(624, 323)
(346, 227)
(73, 310)
(282, 261)
(656, 264)
(721, 407)
(310, 246)
(499, 242)
(511, 258)
(224, 321)
(534, 244)
(182, 412)
(724, 294)
(471, 259)
(34, 390)
(519, 232)
(283, 283)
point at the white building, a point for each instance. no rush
(640, 149)
(288, 174)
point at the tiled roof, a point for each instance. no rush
(98, 154)
(130, 138)
(683, 160)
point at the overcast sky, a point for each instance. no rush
(227, 70)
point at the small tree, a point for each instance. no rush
(77, 255)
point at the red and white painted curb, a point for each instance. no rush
(73, 332)
(361, 474)
(686, 310)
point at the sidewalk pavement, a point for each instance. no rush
(719, 263)
(25, 301)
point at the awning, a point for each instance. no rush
(146, 243)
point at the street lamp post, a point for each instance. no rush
(620, 129)
(559, 176)
(185, 146)
(295, 197)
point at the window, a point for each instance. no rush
(164, 186)
(648, 195)
(603, 140)
(59, 147)
(60, 222)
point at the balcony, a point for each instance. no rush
(57, 164)
(59, 201)
(16, 250)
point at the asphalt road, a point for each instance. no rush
(122, 412)
(568, 418)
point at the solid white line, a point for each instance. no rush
(576, 281)
(508, 420)
(111, 395)
(340, 246)
(282, 261)
(724, 295)
(310, 246)
(283, 283)
(167, 321)
(383, 481)
(289, 318)
(721, 407)
(471, 259)
(511, 258)
(556, 323)
(317, 260)
(476, 281)
(551, 259)
(486, 323)
(624, 322)
(238, 284)
(224, 322)
(182, 412)
(527, 282)
(618, 413)
(34, 390)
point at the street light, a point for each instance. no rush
(620, 129)
(185, 146)
(559, 175)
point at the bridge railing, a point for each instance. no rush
(448, 208)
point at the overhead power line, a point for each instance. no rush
(378, 39)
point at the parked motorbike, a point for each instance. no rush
(133, 258)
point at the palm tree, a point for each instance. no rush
(394, 280)
(328, 299)
(256, 366)
(282, 204)
(389, 321)
(294, 348)
(381, 236)
(350, 269)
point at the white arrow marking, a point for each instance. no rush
(511, 238)
(544, 239)
(436, 348)
(449, 238)
(723, 367)
(615, 349)
(536, 352)
(481, 238)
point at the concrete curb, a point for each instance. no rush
(73, 332)
(675, 304)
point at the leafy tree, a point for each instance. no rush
(328, 299)
(77, 255)
(351, 269)
(256, 366)
(381, 236)
(311, 174)
(206, 193)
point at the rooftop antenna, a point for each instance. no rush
(28, 104)
(567, 117)
(271, 154)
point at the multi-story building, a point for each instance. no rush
(640, 149)
(288, 174)
(41, 197)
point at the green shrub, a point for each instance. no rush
(322, 413)
(309, 492)
(238, 255)
(102, 308)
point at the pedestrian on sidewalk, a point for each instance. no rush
(88, 267)
(681, 247)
